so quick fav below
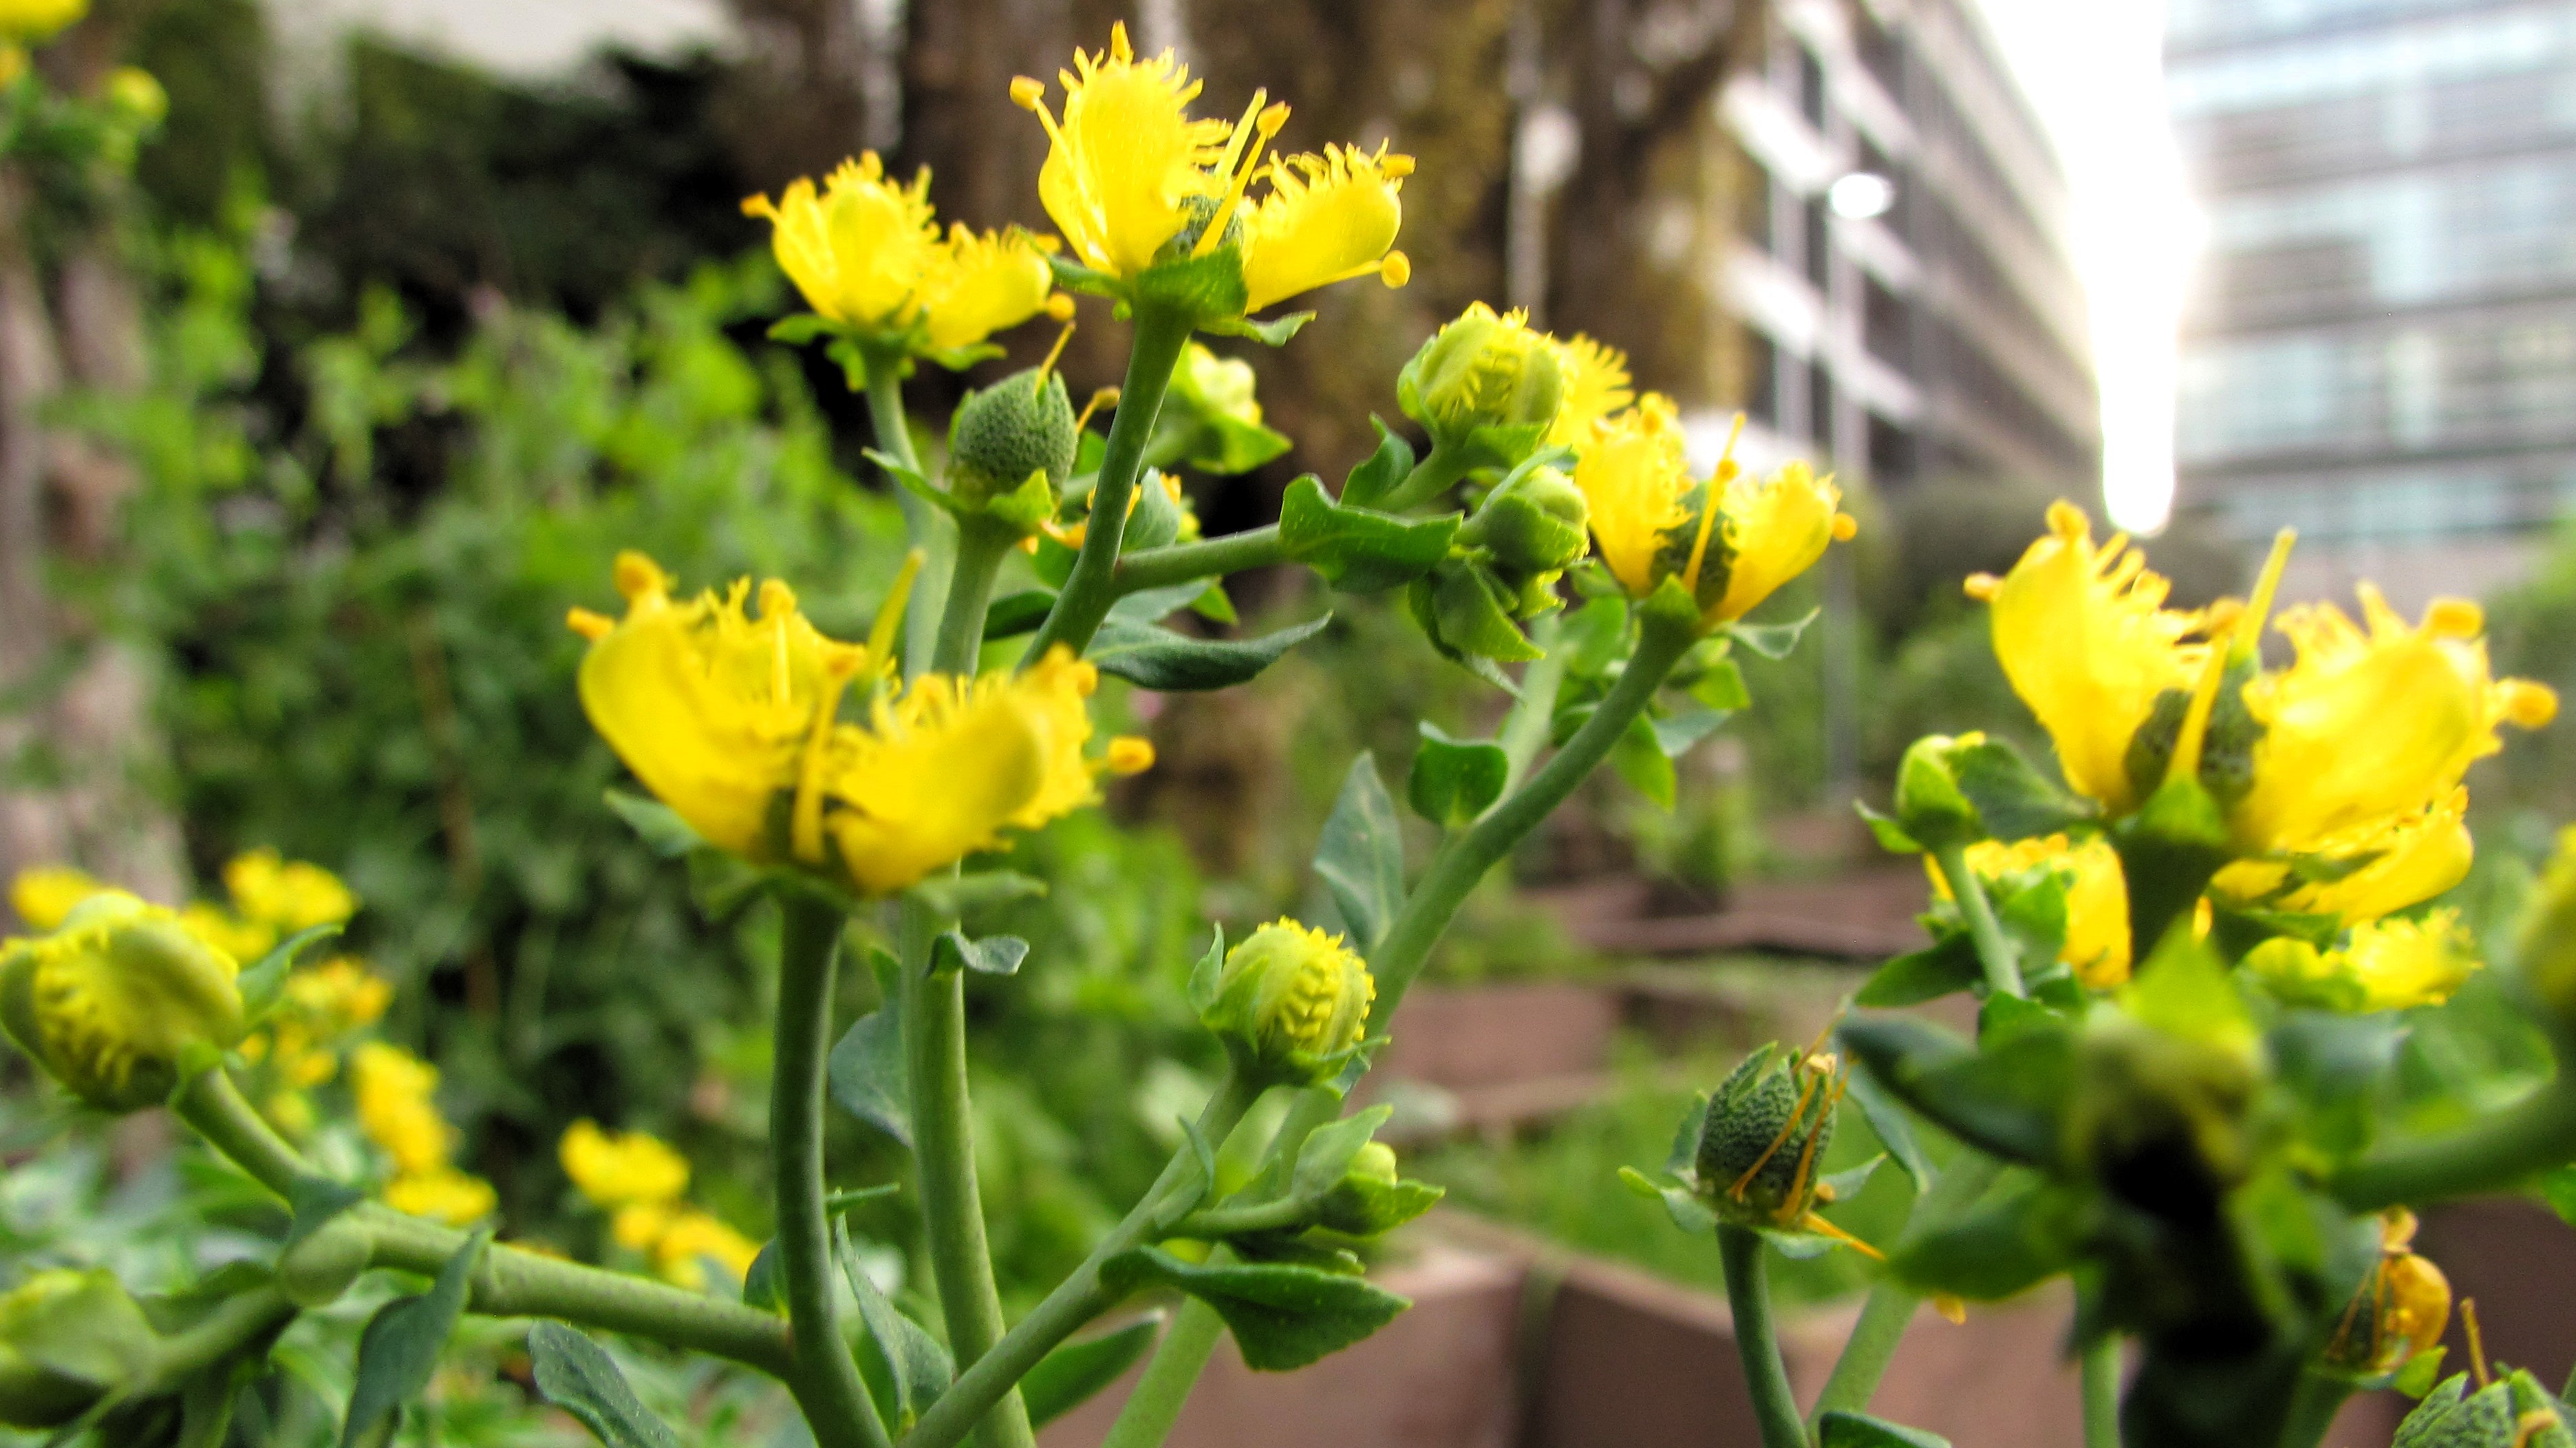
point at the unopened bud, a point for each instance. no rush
(1767, 1129)
(1930, 806)
(1020, 427)
(1533, 523)
(109, 1002)
(1290, 1002)
(1484, 371)
(67, 1338)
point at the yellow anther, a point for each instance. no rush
(2454, 618)
(1027, 92)
(1846, 527)
(1129, 754)
(1105, 397)
(1396, 269)
(592, 626)
(638, 576)
(1397, 166)
(1982, 587)
(1059, 305)
(2528, 705)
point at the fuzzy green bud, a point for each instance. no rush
(1289, 1003)
(1930, 806)
(1485, 372)
(1767, 1128)
(1019, 428)
(66, 1338)
(110, 1001)
(1534, 523)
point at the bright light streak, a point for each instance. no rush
(2095, 74)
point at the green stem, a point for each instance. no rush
(885, 407)
(1766, 1377)
(213, 1105)
(924, 526)
(1091, 587)
(1525, 728)
(1429, 478)
(1462, 863)
(1174, 1370)
(2102, 1394)
(235, 1321)
(1206, 558)
(835, 1400)
(2313, 1406)
(1219, 1223)
(1078, 1298)
(981, 547)
(1890, 1308)
(2495, 1153)
(1993, 951)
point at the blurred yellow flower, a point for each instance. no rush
(1596, 387)
(1326, 219)
(227, 932)
(2404, 860)
(2097, 897)
(621, 1168)
(691, 1239)
(30, 20)
(2384, 965)
(443, 1194)
(43, 895)
(1732, 545)
(867, 255)
(2084, 637)
(112, 999)
(339, 995)
(396, 1109)
(287, 895)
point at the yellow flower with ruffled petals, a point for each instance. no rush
(288, 895)
(2097, 897)
(981, 284)
(43, 895)
(2404, 860)
(618, 1169)
(1596, 387)
(1326, 219)
(2084, 637)
(2364, 725)
(2383, 965)
(1634, 475)
(1775, 530)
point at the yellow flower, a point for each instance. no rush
(981, 284)
(394, 1089)
(691, 1239)
(2083, 636)
(615, 1170)
(2408, 859)
(1128, 171)
(289, 895)
(109, 1002)
(638, 1225)
(1596, 386)
(2365, 725)
(1732, 545)
(1327, 219)
(38, 19)
(2097, 898)
(1287, 1001)
(2384, 965)
(241, 939)
(42, 896)
(442, 1194)
(339, 995)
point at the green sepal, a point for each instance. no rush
(1382, 471)
(1154, 657)
(1025, 507)
(1274, 332)
(1682, 1204)
(263, 983)
(1282, 1316)
(1770, 640)
(2169, 850)
(577, 1375)
(1073, 276)
(1076, 1371)
(1355, 549)
(1454, 781)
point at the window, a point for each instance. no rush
(1885, 325)
(1820, 405)
(1820, 244)
(1811, 87)
(1760, 394)
(1891, 452)
(1880, 52)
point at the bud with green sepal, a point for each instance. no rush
(67, 1339)
(1527, 532)
(1210, 419)
(1291, 1003)
(1011, 447)
(2511, 1411)
(120, 1002)
(1930, 807)
(1751, 1154)
(1487, 387)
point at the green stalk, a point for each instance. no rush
(1205, 558)
(827, 1379)
(1091, 587)
(1429, 478)
(509, 1282)
(1164, 1390)
(1993, 951)
(1525, 728)
(2102, 1394)
(982, 544)
(1078, 1298)
(1757, 1343)
(235, 1321)
(2313, 1406)
(924, 526)
(2491, 1155)
(1890, 1308)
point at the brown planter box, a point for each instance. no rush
(1465, 1038)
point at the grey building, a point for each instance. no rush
(1931, 325)
(2381, 346)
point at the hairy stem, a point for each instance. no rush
(2102, 1394)
(1766, 1377)
(1429, 478)
(1205, 558)
(1164, 1390)
(827, 1378)
(1993, 951)
(2492, 1154)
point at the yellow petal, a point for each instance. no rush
(1776, 529)
(1327, 218)
(2406, 963)
(2097, 898)
(444, 1195)
(2083, 637)
(1596, 385)
(1127, 157)
(394, 1091)
(860, 250)
(2410, 859)
(982, 284)
(1633, 475)
(615, 1169)
(42, 896)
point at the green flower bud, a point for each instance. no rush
(1767, 1130)
(1019, 428)
(1480, 372)
(1533, 524)
(1371, 1199)
(66, 1338)
(2547, 948)
(1290, 1003)
(1929, 804)
(108, 1003)
(315, 1271)
(2514, 1411)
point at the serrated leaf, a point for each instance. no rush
(1282, 1316)
(261, 984)
(1771, 640)
(578, 1376)
(1454, 781)
(1153, 657)
(656, 823)
(1355, 549)
(1374, 478)
(1075, 1372)
(1360, 855)
(1839, 1429)
(867, 1072)
(401, 1345)
(992, 955)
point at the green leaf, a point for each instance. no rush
(1946, 966)
(1360, 855)
(1391, 464)
(578, 1376)
(1676, 735)
(1639, 759)
(262, 983)
(960, 894)
(1688, 1212)
(1890, 835)
(762, 1284)
(1153, 657)
(1274, 332)
(918, 1369)
(992, 955)
(1593, 637)
(1471, 613)
(1838, 1429)
(1071, 1375)
(1893, 1128)
(400, 1347)
(1013, 614)
(1721, 687)
(1355, 549)
(1454, 781)
(1771, 640)
(656, 823)
(867, 1070)
(2011, 796)
(2008, 1099)
(1154, 521)
(1330, 1149)
(312, 1202)
(1282, 1316)
(1073, 276)
(2011, 1243)
(911, 481)
(1153, 605)
(1228, 446)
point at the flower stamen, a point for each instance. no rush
(1259, 121)
(1717, 482)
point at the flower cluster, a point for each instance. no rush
(641, 1181)
(1492, 388)
(396, 1093)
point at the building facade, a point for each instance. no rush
(1901, 260)
(2381, 347)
